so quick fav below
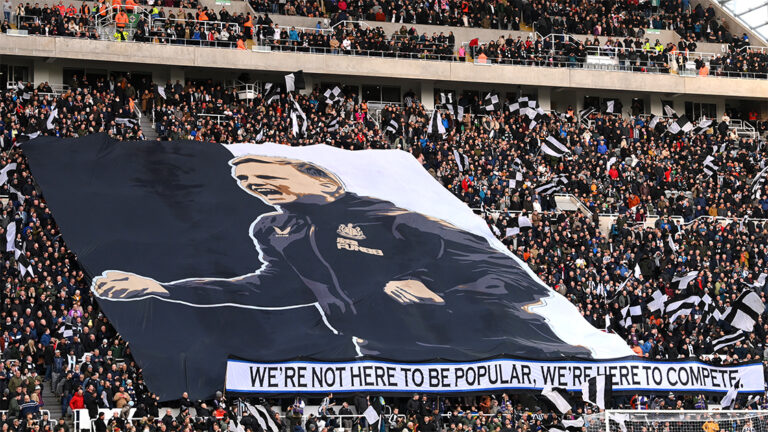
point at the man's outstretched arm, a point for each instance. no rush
(244, 290)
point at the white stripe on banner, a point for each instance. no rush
(489, 375)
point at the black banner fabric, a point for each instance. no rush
(166, 210)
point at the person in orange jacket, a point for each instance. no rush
(240, 44)
(103, 8)
(248, 26)
(121, 20)
(130, 5)
(117, 5)
(71, 11)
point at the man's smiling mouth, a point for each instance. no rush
(265, 191)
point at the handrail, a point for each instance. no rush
(361, 23)
(584, 209)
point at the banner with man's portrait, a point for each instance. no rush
(202, 252)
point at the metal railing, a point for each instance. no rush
(217, 117)
(167, 40)
(579, 204)
(156, 23)
(742, 128)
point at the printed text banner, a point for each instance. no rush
(288, 377)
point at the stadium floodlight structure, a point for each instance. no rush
(677, 421)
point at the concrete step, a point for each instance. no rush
(147, 129)
(52, 403)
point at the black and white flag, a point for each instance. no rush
(456, 110)
(727, 340)
(631, 314)
(332, 125)
(559, 398)
(758, 284)
(491, 102)
(523, 106)
(681, 125)
(730, 398)
(52, 118)
(446, 98)
(586, 112)
(681, 304)
(436, 124)
(654, 121)
(537, 116)
(598, 391)
(702, 127)
(298, 119)
(680, 282)
(66, 329)
(333, 95)
(23, 263)
(553, 147)
(553, 185)
(294, 81)
(518, 224)
(271, 92)
(457, 158)
(392, 126)
(4, 172)
(657, 304)
(264, 417)
(574, 425)
(745, 311)
(516, 182)
(10, 237)
(669, 111)
(613, 106)
(757, 183)
(709, 309)
(126, 121)
(719, 149)
(709, 166)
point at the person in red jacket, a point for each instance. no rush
(77, 401)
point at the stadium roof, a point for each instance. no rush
(753, 13)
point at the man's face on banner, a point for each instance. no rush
(278, 184)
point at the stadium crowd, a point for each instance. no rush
(650, 167)
(206, 27)
(598, 18)
(55, 339)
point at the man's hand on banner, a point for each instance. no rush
(115, 284)
(411, 291)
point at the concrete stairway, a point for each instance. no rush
(52, 403)
(147, 129)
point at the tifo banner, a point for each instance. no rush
(500, 374)
(201, 252)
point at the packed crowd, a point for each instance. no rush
(597, 18)
(355, 40)
(653, 172)
(91, 367)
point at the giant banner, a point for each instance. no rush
(201, 252)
